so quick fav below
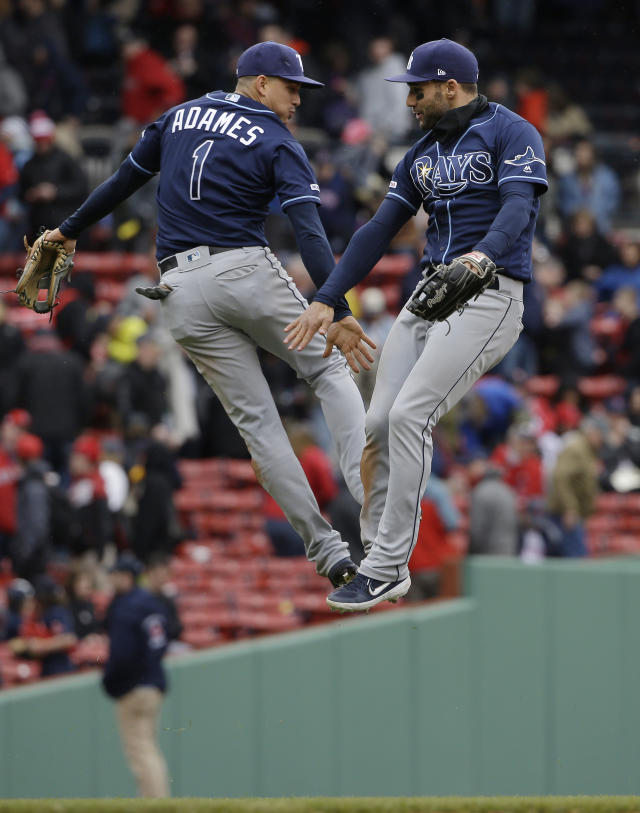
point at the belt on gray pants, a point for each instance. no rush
(508, 285)
(171, 262)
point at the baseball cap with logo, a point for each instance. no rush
(274, 59)
(440, 60)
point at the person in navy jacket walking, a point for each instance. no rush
(134, 676)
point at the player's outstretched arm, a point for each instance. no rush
(364, 250)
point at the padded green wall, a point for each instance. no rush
(528, 686)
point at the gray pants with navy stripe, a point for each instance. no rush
(425, 369)
(221, 309)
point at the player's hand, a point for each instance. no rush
(478, 255)
(317, 318)
(56, 236)
(352, 341)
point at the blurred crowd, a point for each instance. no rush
(98, 407)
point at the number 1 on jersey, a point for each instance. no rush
(199, 157)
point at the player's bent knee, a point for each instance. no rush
(376, 425)
(403, 418)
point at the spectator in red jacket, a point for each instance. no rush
(13, 425)
(8, 187)
(435, 545)
(317, 468)
(520, 462)
(150, 86)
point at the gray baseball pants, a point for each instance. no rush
(221, 309)
(425, 369)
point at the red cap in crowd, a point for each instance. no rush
(29, 447)
(18, 417)
(89, 446)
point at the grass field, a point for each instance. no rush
(504, 804)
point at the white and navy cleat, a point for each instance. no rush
(363, 593)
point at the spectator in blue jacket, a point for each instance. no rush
(592, 185)
(134, 676)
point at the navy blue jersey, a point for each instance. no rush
(222, 158)
(137, 628)
(459, 185)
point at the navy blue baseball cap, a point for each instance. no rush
(127, 562)
(274, 59)
(440, 60)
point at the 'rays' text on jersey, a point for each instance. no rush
(213, 120)
(451, 173)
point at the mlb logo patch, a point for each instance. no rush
(315, 187)
(195, 255)
(232, 97)
(393, 184)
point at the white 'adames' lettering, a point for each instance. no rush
(252, 134)
(177, 121)
(237, 126)
(192, 117)
(207, 120)
(222, 122)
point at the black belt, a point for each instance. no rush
(495, 284)
(171, 262)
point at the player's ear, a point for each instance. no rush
(262, 83)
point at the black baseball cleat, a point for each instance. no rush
(364, 593)
(342, 572)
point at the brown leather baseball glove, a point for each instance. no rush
(47, 264)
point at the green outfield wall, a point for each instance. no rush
(529, 685)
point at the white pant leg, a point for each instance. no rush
(454, 358)
(227, 359)
(402, 348)
(275, 302)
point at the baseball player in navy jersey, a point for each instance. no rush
(222, 158)
(477, 171)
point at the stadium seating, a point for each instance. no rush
(615, 526)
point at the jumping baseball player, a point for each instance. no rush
(478, 171)
(222, 158)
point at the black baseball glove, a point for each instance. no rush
(450, 287)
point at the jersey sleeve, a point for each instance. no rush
(401, 186)
(294, 178)
(145, 156)
(521, 156)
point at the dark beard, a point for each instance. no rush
(429, 122)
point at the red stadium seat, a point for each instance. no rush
(544, 386)
(600, 387)
(26, 320)
(201, 638)
(17, 672)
